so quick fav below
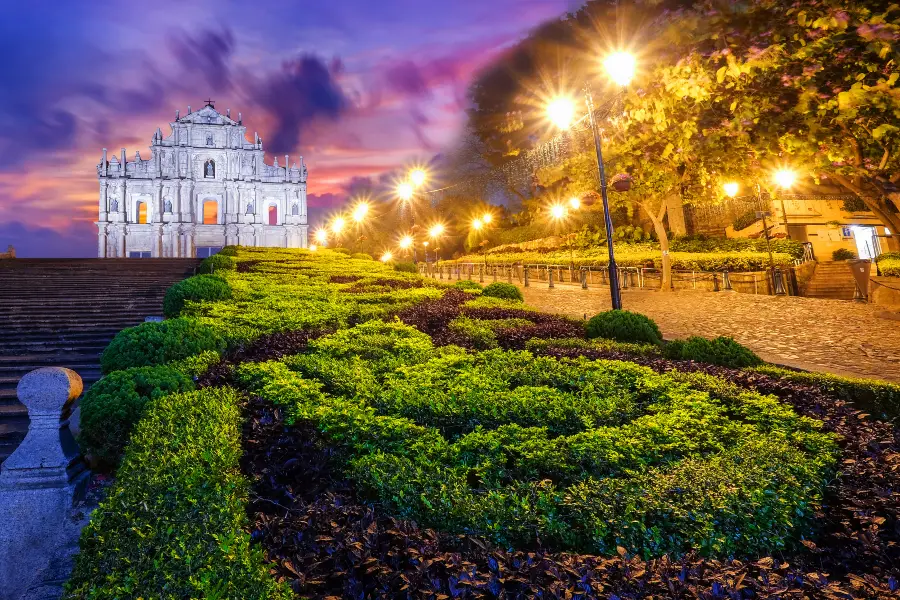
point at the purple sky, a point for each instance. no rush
(359, 88)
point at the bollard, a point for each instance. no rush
(525, 276)
(40, 480)
(779, 282)
(583, 279)
(509, 271)
(458, 272)
(441, 273)
(623, 277)
(494, 268)
(480, 273)
(715, 282)
(726, 279)
(550, 278)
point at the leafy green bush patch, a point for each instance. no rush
(505, 291)
(722, 351)
(843, 254)
(150, 344)
(217, 262)
(201, 288)
(406, 267)
(624, 326)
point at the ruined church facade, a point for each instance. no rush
(204, 186)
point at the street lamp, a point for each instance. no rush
(406, 242)
(574, 203)
(436, 231)
(620, 67)
(322, 237)
(478, 225)
(418, 176)
(337, 226)
(386, 257)
(731, 189)
(313, 248)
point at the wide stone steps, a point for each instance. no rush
(832, 280)
(64, 313)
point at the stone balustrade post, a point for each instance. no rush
(39, 481)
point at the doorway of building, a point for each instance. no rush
(273, 215)
(866, 241)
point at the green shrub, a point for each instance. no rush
(722, 351)
(216, 262)
(150, 344)
(889, 264)
(173, 524)
(200, 288)
(229, 251)
(843, 254)
(405, 267)
(361, 256)
(469, 286)
(624, 326)
(745, 220)
(345, 251)
(542, 346)
(506, 291)
(113, 405)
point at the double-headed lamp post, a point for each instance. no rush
(406, 191)
(783, 178)
(620, 67)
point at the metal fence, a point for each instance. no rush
(759, 282)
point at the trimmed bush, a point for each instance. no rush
(889, 264)
(361, 256)
(216, 262)
(624, 326)
(173, 524)
(201, 288)
(228, 251)
(345, 251)
(843, 254)
(506, 291)
(722, 351)
(150, 344)
(405, 267)
(112, 406)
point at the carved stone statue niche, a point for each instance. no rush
(209, 169)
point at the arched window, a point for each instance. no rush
(273, 214)
(210, 212)
(295, 210)
(141, 212)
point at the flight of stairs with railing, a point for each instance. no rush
(831, 280)
(63, 313)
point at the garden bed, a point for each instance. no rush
(406, 439)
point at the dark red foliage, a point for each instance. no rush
(344, 278)
(245, 266)
(433, 316)
(379, 285)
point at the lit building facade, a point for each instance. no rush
(204, 186)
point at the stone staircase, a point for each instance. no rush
(832, 280)
(63, 313)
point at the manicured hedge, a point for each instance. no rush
(889, 264)
(217, 262)
(722, 351)
(201, 288)
(173, 524)
(624, 326)
(505, 291)
(150, 344)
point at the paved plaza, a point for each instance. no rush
(832, 336)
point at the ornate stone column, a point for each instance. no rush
(101, 239)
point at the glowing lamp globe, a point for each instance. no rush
(405, 191)
(337, 225)
(620, 67)
(574, 203)
(405, 242)
(561, 112)
(731, 189)
(436, 230)
(477, 224)
(386, 257)
(487, 218)
(558, 211)
(321, 236)
(418, 177)
(313, 248)
(360, 212)
(785, 178)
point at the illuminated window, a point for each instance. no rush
(141, 212)
(273, 215)
(210, 212)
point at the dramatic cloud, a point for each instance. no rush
(303, 91)
(206, 55)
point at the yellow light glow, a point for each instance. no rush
(322, 236)
(405, 242)
(731, 189)
(425, 244)
(360, 212)
(574, 203)
(487, 218)
(337, 225)
(558, 211)
(785, 178)
(418, 176)
(561, 112)
(620, 67)
(436, 230)
(313, 248)
(405, 191)
(477, 224)
(386, 257)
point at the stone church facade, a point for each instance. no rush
(203, 187)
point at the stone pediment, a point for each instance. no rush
(207, 116)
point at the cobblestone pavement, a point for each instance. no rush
(832, 336)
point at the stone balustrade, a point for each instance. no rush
(40, 480)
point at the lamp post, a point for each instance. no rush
(478, 225)
(406, 191)
(406, 242)
(337, 227)
(322, 237)
(359, 215)
(435, 233)
(620, 67)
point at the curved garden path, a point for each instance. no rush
(845, 338)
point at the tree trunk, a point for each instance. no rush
(666, 283)
(878, 204)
